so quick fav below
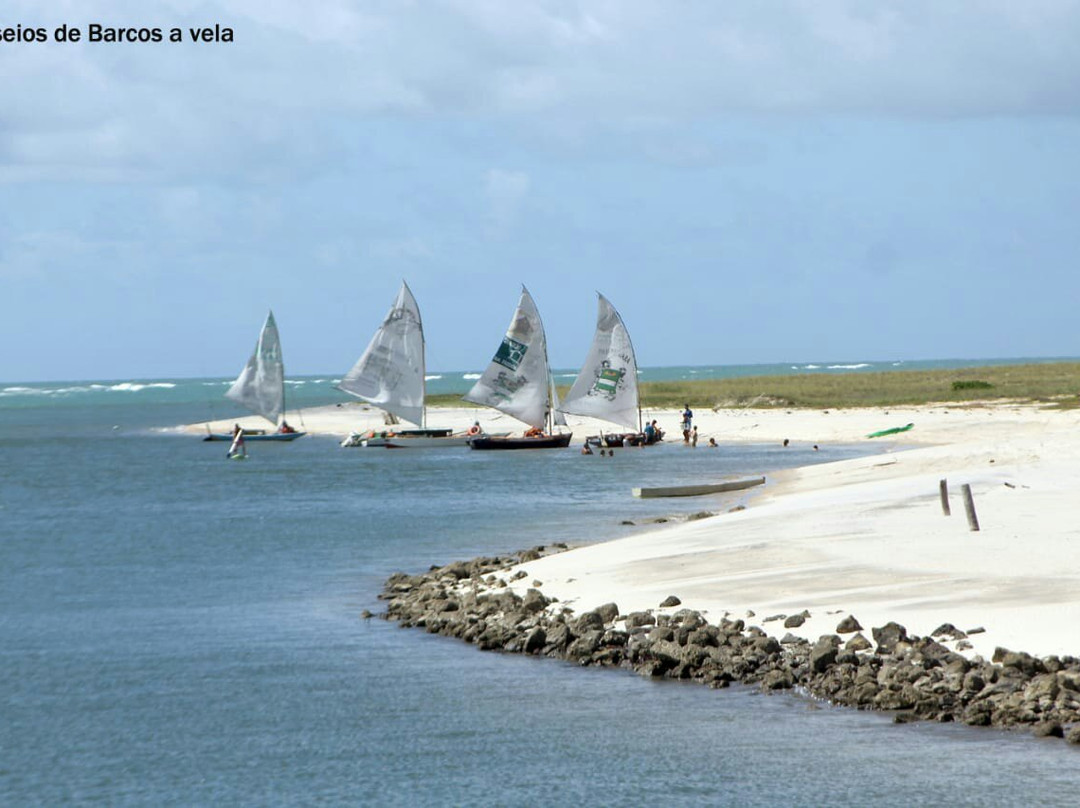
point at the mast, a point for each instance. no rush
(423, 360)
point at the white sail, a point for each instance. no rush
(607, 386)
(390, 373)
(557, 417)
(261, 384)
(516, 381)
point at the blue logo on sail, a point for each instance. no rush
(510, 353)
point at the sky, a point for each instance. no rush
(746, 181)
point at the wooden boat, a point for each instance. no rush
(391, 375)
(698, 490)
(518, 382)
(412, 438)
(260, 387)
(607, 386)
(256, 434)
(557, 441)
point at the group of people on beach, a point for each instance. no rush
(651, 433)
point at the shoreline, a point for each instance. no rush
(866, 539)
(915, 678)
(864, 536)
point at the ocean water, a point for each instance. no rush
(176, 629)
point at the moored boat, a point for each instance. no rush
(391, 375)
(260, 387)
(556, 441)
(518, 382)
(607, 386)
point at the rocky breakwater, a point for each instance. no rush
(917, 678)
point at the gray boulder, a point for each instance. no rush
(848, 625)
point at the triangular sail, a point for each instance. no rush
(516, 381)
(607, 386)
(390, 373)
(557, 417)
(261, 384)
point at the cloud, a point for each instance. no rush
(272, 103)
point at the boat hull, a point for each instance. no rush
(248, 437)
(616, 439)
(409, 438)
(542, 442)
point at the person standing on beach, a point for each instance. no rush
(693, 437)
(687, 422)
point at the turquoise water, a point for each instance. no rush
(176, 629)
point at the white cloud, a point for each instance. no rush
(263, 105)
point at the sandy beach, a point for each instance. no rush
(864, 537)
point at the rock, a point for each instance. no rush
(777, 680)
(794, 621)
(1073, 735)
(774, 617)
(858, 643)
(848, 625)
(626, 522)
(535, 641)
(979, 630)
(1048, 729)
(823, 654)
(669, 601)
(538, 583)
(635, 619)
(888, 636)
(590, 621)
(533, 601)
(585, 645)
(517, 576)
(949, 631)
(699, 515)
(608, 612)
(791, 639)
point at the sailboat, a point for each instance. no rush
(607, 386)
(260, 387)
(390, 375)
(518, 382)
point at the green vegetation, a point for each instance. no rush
(1056, 383)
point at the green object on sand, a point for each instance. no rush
(895, 430)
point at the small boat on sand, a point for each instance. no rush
(260, 387)
(607, 386)
(391, 375)
(518, 382)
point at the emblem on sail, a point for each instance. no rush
(510, 353)
(608, 381)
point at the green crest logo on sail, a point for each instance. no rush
(510, 353)
(608, 381)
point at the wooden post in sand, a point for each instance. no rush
(944, 486)
(969, 507)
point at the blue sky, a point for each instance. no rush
(747, 182)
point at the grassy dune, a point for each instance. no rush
(1056, 383)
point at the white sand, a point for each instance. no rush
(865, 537)
(868, 537)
